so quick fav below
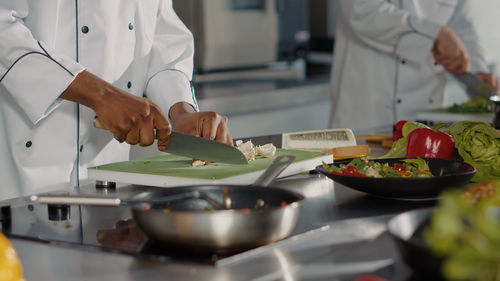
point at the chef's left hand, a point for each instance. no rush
(210, 125)
(491, 79)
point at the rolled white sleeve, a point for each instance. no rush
(383, 26)
(34, 75)
(171, 66)
(169, 87)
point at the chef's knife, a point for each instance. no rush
(475, 86)
(199, 148)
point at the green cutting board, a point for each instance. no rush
(171, 170)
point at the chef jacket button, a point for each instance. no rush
(436, 63)
(81, 148)
(28, 144)
(399, 101)
(129, 84)
(431, 101)
(403, 61)
(85, 29)
(131, 26)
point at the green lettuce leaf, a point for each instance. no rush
(466, 235)
(478, 144)
(418, 163)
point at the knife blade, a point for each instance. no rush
(200, 148)
(205, 149)
(475, 86)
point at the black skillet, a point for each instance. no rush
(407, 231)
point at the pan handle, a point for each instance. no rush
(270, 174)
(114, 201)
(76, 200)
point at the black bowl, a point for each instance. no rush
(406, 229)
(447, 174)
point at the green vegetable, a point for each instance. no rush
(478, 144)
(418, 163)
(476, 105)
(467, 236)
(408, 168)
(398, 149)
(356, 162)
(331, 168)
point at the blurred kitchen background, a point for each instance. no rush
(265, 63)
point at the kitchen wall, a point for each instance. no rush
(486, 18)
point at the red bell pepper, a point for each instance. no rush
(398, 130)
(428, 143)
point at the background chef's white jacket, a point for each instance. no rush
(139, 46)
(383, 69)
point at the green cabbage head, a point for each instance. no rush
(478, 144)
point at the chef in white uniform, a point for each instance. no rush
(391, 56)
(63, 62)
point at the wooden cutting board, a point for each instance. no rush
(171, 170)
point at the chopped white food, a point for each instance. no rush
(198, 163)
(238, 142)
(372, 172)
(267, 150)
(247, 148)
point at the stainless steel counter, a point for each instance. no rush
(338, 233)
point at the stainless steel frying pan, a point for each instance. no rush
(243, 216)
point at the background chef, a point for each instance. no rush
(390, 59)
(64, 62)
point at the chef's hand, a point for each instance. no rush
(450, 52)
(210, 125)
(491, 79)
(130, 118)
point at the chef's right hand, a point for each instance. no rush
(130, 118)
(491, 79)
(450, 52)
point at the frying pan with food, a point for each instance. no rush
(219, 219)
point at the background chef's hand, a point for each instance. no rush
(210, 125)
(491, 79)
(450, 52)
(130, 118)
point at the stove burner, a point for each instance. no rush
(127, 237)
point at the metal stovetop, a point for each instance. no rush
(102, 228)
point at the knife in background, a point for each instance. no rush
(199, 148)
(475, 86)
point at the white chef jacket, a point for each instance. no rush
(139, 46)
(383, 69)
